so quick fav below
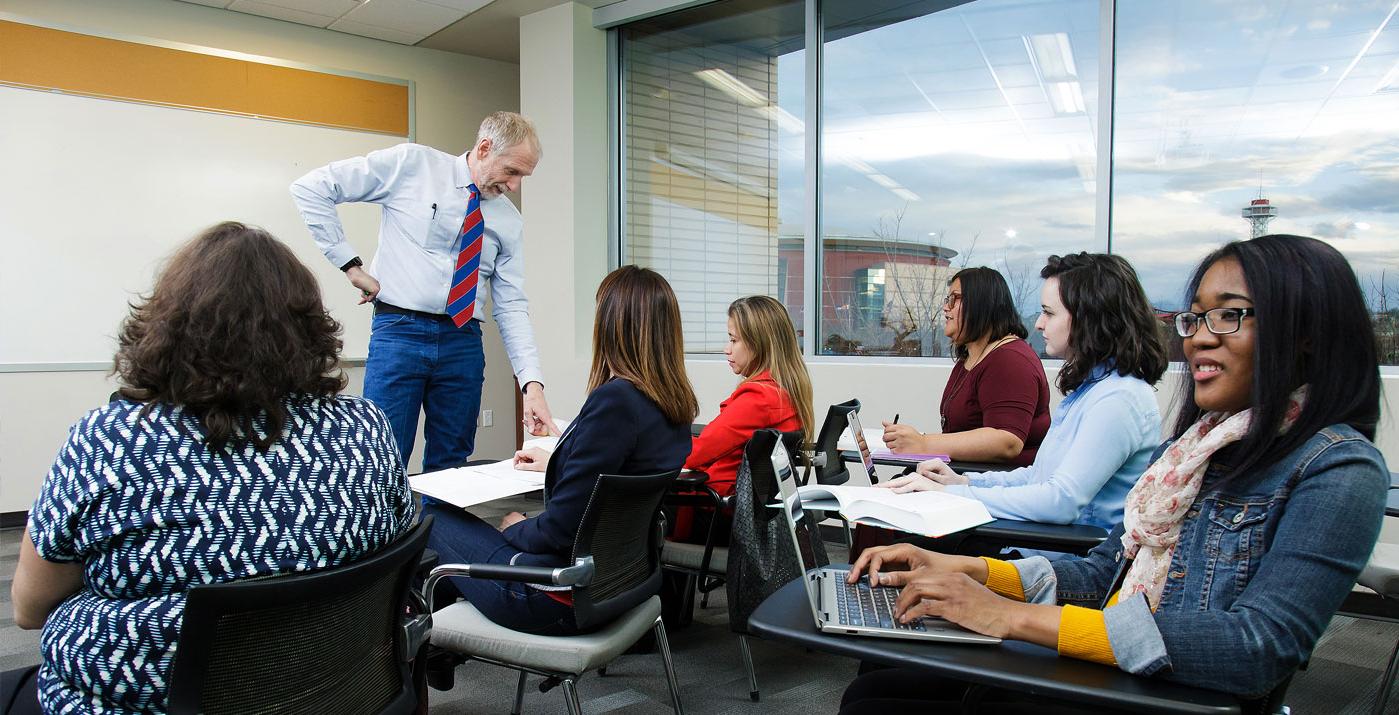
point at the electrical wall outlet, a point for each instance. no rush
(487, 418)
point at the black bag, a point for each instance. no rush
(761, 557)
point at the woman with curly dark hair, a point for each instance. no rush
(1095, 315)
(226, 454)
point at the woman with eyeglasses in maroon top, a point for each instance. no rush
(995, 406)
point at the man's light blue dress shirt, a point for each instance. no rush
(1097, 447)
(423, 194)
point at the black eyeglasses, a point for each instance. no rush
(1220, 321)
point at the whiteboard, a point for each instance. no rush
(95, 194)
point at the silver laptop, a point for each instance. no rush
(861, 444)
(841, 607)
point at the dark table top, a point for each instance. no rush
(1017, 666)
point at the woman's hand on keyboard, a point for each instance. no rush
(958, 598)
(909, 562)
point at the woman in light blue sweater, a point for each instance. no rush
(1096, 317)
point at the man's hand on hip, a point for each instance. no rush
(537, 418)
(367, 285)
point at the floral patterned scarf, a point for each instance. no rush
(1156, 506)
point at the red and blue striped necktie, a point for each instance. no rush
(461, 300)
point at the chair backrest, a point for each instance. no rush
(834, 471)
(326, 641)
(758, 454)
(619, 532)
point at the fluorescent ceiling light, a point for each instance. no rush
(732, 86)
(1390, 82)
(884, 181)
(906, 195)
(1066, 97)
(785, 120)
(1053, 56)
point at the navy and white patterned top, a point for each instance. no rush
(150, 511)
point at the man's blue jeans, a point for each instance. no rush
(418, 363)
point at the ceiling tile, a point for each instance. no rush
(376, 32)
(276, 12)
(465, 6)
(410, 16)
(329, 8)
(210, 3)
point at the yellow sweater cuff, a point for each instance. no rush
(1083, 634)
(1003, 578)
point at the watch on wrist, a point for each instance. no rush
(353, 262)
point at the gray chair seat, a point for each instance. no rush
(690, 556)
(461, 628)
(1381, 574)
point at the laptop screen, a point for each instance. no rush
(797, 523)
(861, 444)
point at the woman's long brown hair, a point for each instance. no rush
(637, 336)
(234, 325)
(763, 323)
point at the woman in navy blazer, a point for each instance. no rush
(636, 420)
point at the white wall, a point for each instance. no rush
(453, 93)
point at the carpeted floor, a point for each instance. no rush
(1343, 677)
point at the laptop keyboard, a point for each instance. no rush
(859, 605)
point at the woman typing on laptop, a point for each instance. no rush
(1096, 317)
(1240, 540)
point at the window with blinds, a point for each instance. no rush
(712, 158)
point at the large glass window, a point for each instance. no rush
(713, 156)
(958, 133)
(1264, 116)
(953, 134)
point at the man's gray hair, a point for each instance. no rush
(508, 129)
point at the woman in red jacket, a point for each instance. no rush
(775, 391)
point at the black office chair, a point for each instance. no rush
(705, 565)
(830, 468)
(615, 576)
(336, 640)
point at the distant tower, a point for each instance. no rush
(1259, 212)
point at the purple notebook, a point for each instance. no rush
(909, 456)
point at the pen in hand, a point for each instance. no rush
(896, 418)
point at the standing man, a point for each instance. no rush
(446, 230)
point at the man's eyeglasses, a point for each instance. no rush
(1220, 321)
(951, 300)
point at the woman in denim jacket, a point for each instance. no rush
(1244, 535)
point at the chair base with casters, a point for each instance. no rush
(615, 576)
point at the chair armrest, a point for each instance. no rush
(579, 574)
(689, 479)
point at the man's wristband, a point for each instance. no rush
(353, 262)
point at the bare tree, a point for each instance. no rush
(1386, 320)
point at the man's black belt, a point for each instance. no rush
(382, 307)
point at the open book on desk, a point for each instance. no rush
(469, 486)
(928, 513)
